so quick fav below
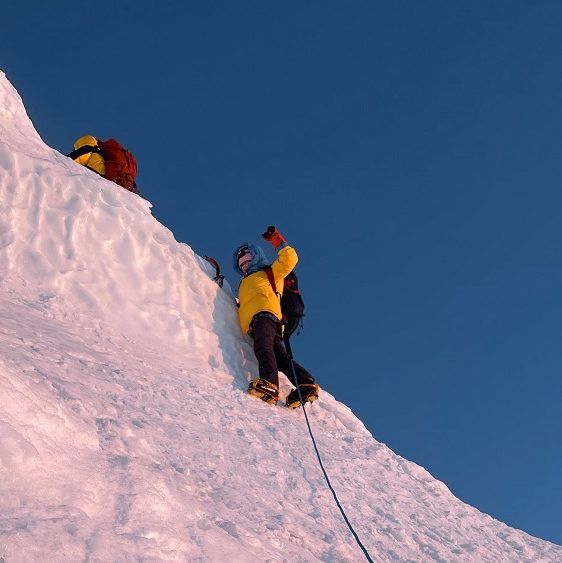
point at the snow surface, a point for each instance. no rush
(125, 430)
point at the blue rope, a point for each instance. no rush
(295, 380)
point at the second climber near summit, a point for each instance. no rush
(261, 318)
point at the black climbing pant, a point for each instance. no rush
(271, 353)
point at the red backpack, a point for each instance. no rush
(120, 164)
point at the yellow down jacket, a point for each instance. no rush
(255, 293)
(92, 160)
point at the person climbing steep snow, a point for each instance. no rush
(87, 152)
(109, 159)
(261, 317)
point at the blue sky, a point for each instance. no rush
(411, 153)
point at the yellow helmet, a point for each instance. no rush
(85, 140)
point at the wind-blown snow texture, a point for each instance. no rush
(125, 430)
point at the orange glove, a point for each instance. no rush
(273, 236)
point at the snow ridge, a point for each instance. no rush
(125, 430)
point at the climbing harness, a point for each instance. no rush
(295, 381)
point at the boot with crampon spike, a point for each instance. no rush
(264, 390)
(309, 394)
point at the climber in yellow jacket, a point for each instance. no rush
(261, 317)
(88, 153)
(255, 293)
(109, 159)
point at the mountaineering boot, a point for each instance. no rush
(264, 390)
(309, 393)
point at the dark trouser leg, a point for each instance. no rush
(284, 364)
(264, 331)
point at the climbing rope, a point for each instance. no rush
(295, 380)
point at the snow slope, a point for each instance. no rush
(125, 430)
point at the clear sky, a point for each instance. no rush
(410, 151)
